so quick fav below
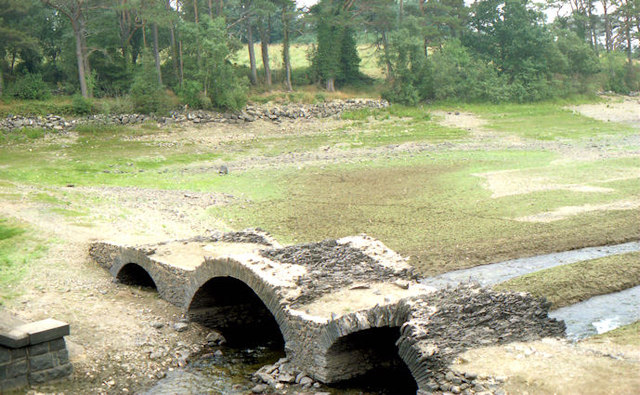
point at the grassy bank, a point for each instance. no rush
(569, 284)
(18, 250)
(625, 335)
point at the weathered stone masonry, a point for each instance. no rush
(341, 306)
(33, 353)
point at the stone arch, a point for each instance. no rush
(362, 343)
(228, 296)
(134, 274)
(369, 359)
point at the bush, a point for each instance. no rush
(147, 94)
(30, 87)
(618, 75)
(193, 96)
(80, 105)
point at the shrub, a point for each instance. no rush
(147, 94)
(619, 76)
(30, 87)
(193, 96)
(80, 105)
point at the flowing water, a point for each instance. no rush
(600, 314)
(499, 272)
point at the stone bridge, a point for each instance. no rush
(341, 308)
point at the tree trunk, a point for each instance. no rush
(85, 55)
(264, 46)
(156, 52)
(1, 80)
(286, 59)
(220, 7)
(80, 59)
(607, 25)
(628, 22)
(387, 61)
(331, 86)
(195, 10)
(181, 64)
(174, 54)
(211, 9)
(252, 54)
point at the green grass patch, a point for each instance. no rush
(543, 121)
(59, 105)
(17, 251)
(625, 335)
(22, 135)
(570, 284)
(399, 111)
(299, 55)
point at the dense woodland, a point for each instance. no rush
(157, 54)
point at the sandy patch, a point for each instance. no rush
(518, 182)
(553, 366)
(189, 256)
(460, 120)
(627, 111)
(569, 211)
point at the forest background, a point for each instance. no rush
(152, 56)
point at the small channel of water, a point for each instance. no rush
(600, 314)
(499, 272)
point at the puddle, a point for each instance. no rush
(600, 314)
(499, 272)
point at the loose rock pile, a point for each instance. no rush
(450, 321)
(280, 375)
(332, 266)
(250, 113)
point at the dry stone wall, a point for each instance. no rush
(250, 113)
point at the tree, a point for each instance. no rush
(75, 11)
(15, 39)
(336, 58)
(207, 51)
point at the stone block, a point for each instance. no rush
(5, 355)
(3, 372)
(57, 344)
(41, 362)
(45, 330)
(60, 357)
(38, 349)
(44, 376)
(18, 353)
(17, 369)
(14, 338)
(13, 384)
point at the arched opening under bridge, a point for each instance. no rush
(368, 360)
(134, 274)
(231, 307)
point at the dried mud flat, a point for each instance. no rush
(123, 338)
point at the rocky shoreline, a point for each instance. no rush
(251, 113)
